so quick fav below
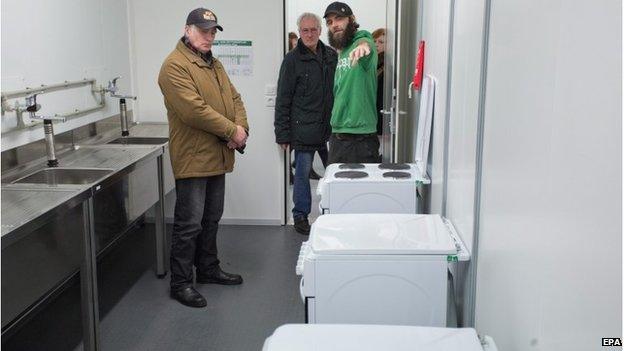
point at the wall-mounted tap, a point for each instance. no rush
(123, 113)
(32, 107)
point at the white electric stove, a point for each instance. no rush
(385, 187)
(371, 188)
(378, 269)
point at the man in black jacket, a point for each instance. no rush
(303, 108)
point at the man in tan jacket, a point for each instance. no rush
(207, 121)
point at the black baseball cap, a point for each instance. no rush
(203, 18)
(339, 9)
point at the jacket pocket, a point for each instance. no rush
(302, 87)
(313, 133)
(195, 142)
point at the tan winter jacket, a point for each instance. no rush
(203, 109)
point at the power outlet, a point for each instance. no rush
(269, 101)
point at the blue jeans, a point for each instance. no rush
(301, 190)
(198, 209)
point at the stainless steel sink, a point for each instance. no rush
(55, 176)
(139, 141)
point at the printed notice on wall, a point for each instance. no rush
(235, 55)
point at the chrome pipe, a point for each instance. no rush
(159, 222)
(123, 116)
(78, 112)
(49, 143)
(47, 88)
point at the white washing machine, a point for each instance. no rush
(371, 188)
(378, 269)
(337, 337)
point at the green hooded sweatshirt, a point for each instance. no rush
(355, 90)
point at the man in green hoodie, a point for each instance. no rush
(354, 116)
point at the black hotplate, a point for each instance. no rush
(397, 175)
(351, 166)
(351, 174)
(394, 166)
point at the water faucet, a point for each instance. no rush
(32, 107)
(123, 113)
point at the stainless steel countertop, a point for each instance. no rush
(158, 130)
(24, 203)
(150, 130)
(114, 157)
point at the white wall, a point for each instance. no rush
(464, 108)
(370, 14)
(48, 42)
(550, 250)
(463, 128)
(254, 191)
(435, 33)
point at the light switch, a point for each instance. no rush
(270, 89)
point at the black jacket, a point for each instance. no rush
(305, 97)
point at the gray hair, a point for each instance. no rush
(306, 15)
(191, 27)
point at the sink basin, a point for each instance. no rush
(55, 176)
(139, 141)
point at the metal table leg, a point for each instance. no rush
(88, 281)
(161, 270)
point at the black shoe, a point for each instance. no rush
(302, 226)
(189, 297)
(314, 175)
(219, 277)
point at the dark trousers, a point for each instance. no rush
(354, 148)
(198, 209)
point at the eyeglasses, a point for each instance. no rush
(309, 30)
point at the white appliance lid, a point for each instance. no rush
(425, 120)
(315, 337)
(381, 234)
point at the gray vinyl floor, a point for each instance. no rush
(137, 313)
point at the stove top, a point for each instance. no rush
(394, 166)
(351, 174)
(351, 166)
(397, 175)
(374, 172)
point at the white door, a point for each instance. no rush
(370, 15)
(399, 112)
(387, 114)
